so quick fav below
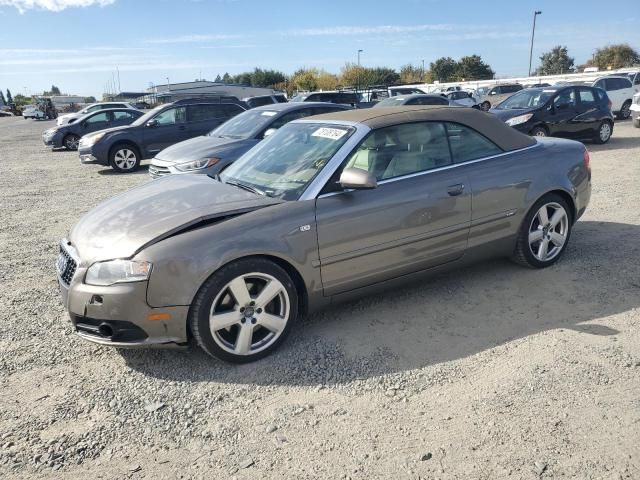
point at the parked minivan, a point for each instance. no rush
(620, 91)
(123, 148)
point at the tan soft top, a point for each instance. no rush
(487, 124)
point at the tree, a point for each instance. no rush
(353, 75)
(21, 100)
(226, 78)
(556, 61)
(473, 68)
(55, 90)
(444, 69)
(266, 78)
(3, 101)
(9, 97)
(218, 79)
(411, 74)
(615, 56)
(90, 99)
(305, 79)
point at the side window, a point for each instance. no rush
(565, 99)
(172, 116)
(587, 96)
(203, 112)
(613, 84)
(316, 97)
(600, 84)
(495, 91)
(290, 117)
(122, 116)
(94, 108)
(280, 98)
(260, 101)
(467, 144)
(98, 118)
(402, 150)
(230, 109)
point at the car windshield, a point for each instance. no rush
(530, 98)
(391, 102)
(147, 116)
(285, 163)
(243, 125)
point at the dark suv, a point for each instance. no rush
(123, 148)
(560, 111)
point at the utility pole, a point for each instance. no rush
(533, 33)
(422, 70)
(119, 87)
(358, 81)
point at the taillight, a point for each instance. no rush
(609, 104)
(587, 160)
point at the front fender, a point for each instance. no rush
(182, 263)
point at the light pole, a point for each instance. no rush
(358, 77)
(533, 33)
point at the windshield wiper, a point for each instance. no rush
(244, 186)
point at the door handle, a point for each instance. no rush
(181, 127)
(455, 190)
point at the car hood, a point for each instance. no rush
(125, 224)
(200, 147)
(505, 114)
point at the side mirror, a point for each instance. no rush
(268, 132)
(152, 123)
(492, 93)
(357, 179)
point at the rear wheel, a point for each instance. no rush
(244, 311)
(71, 142)
(544, 233)
(539, 132)
(124, 158)
(485, 106)
(625, 111)
(603, 134)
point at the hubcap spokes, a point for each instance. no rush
(249, 313)
(125, 159)
(548, 232)
(605, 132)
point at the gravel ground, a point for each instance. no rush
(490, 372)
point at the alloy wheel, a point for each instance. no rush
(71, 142)
(548, 231)
(605, 132)
(626, 111)
(125, 159)
(249, 314)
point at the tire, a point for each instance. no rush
(625, 111)
(533, 234)
(539, 131)
(485, 106)
(244, 318)
(71, 142)
(124, 158)
(603, 133)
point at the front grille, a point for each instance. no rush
(66, 266)
(158, 171)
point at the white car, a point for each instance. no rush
(620, 91)
(461, 97)
(31, 111)
(635, 110)
(72, 117)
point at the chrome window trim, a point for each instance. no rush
(447, 167)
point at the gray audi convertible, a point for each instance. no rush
(327, 208)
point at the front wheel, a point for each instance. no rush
(603, 134)
(539, 132)
(485, 106)
(625, 111)
(125, 158)
(544, 233)
(244, 311)
(71, 142)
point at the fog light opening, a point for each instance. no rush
(105, 330)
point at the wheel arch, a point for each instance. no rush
(121, 143)
(566, 196)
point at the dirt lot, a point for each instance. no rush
(494, 371)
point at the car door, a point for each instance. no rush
(615, 93)
(561, 118)
(588, 115)
(164, 129)
(418, 216)
(121, 117)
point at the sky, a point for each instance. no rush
(78, 44)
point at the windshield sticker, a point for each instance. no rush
(268, 114)
(331, 133)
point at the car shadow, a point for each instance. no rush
(142, 170)
(615, 143)
(443, 318)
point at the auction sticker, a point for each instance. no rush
(331, 133)
(268, 113)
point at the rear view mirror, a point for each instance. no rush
(268, 132)
(152, 123)
(357, 179)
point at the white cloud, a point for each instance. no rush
(362, 30)
(52, 5)
(192, 38)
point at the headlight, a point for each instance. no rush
(519, 119)
(197, 164)
(92, 139)
(117, 271)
